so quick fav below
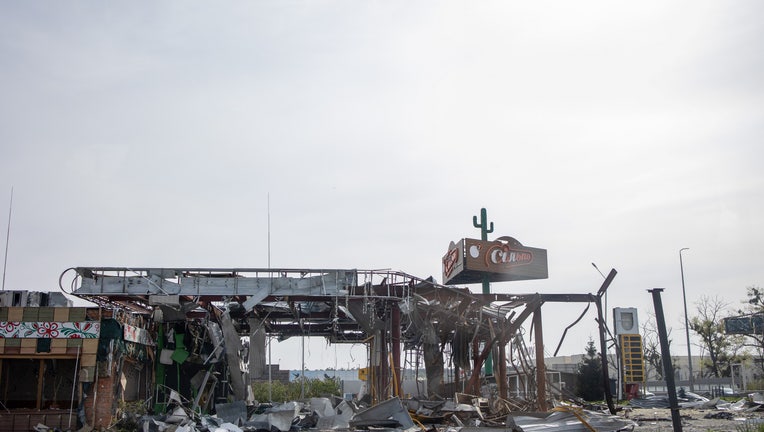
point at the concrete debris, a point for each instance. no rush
(686, 400)
(740, 405)
(411, 415)
(711, 403)
(726, 415)
(559, 420)
(572, 420)
(752, 403)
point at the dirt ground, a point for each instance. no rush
(659, 420)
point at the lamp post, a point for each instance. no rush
(686, 322)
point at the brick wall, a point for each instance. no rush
(102, 394)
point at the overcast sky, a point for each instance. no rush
(152, 133)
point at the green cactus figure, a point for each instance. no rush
(483, 224)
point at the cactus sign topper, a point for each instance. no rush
(504, 259)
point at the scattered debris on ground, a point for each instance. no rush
(753, 402)
(394, 414)
(463, 413)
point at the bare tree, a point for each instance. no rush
(722, 349)
(651, 348)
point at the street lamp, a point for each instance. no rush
(686, 322)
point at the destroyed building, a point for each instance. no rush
(163, 335)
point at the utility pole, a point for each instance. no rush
(660, 321)
(686, 322)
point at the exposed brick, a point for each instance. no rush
(102, 396)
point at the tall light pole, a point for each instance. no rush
(686, 322)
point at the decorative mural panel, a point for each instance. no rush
(137, 335)
(51, 330)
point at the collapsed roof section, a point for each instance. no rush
(343, 305)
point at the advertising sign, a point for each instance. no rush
(626, 321)
(632, 359)
(504, 259)
(746, 324)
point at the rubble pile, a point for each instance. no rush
(688, 400)
(326, 414)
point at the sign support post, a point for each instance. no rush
(485, 229)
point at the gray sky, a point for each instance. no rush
(152, 133)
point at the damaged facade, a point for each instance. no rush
(170, 337)
(188, 324)
(48, 358)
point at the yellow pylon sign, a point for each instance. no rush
(632, 358)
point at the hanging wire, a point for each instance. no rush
(568, 327)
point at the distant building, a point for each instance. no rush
(276, 374)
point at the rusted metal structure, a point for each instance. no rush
(387, 310)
